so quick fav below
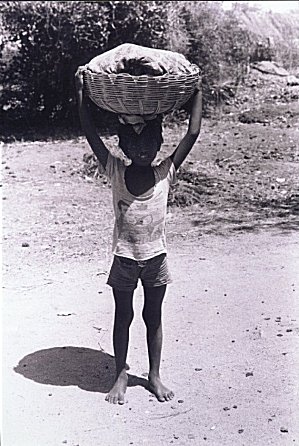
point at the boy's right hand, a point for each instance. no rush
(79, 81)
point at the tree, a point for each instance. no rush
(52, 39)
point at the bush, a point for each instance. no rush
(214, 40)
(52, 39)
(44, 42)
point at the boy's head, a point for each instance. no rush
(141, 148)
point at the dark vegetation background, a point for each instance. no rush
(42, 44)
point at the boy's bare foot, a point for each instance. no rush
(161, 392)
(117, 393)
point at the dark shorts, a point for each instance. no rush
(124, 273)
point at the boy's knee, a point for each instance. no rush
(125, 315)
(152, 319)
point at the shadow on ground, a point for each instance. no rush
(90, 370)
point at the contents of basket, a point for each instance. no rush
(136, 80)
(137, 60)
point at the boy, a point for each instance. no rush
(140, 194)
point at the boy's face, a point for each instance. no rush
(141, 149)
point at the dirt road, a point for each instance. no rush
(230, 322)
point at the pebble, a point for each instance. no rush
(180, 401)
(25, 245)
(249, 374)
(241, 431)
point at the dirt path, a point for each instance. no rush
(231, 322)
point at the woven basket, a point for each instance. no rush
(140, 95)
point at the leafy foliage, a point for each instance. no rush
(52, 39)
(215, 42)
(42, 43)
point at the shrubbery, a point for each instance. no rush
(51, 40)
(44, 42)
(215, 41)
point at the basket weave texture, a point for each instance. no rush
(140, 95)
(124, 93)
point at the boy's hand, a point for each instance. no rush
(158, 159)
(198, 86)
(79, 81)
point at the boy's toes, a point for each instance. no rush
(111, 399)
(162, 393)
(165, 397)
(170, 395)
(115, 399)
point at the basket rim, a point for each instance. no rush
(103, 74)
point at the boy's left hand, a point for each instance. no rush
(158, 159)
(198, 86)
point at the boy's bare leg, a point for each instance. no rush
(122, 321)
(152, 318)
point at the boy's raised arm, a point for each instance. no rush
(87, 123)
(193, 131)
